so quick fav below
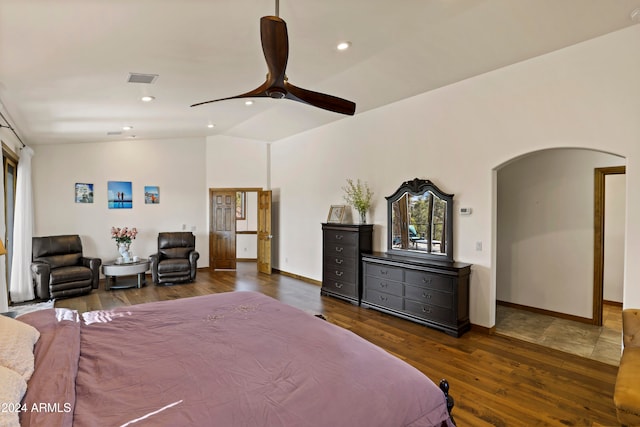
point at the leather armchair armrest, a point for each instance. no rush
(41, 273)
(193, 262)
(631, 327)
(154, 259)
(94, 264)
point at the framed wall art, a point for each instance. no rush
(120, 194)
(84, 193)
(151, 195)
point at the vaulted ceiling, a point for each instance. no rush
(65, 64)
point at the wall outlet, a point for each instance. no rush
(478, 245)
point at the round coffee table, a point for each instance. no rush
(113, 269)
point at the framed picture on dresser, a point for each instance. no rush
(336, 214)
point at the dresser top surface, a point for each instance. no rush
(340, 226)
(416, 261)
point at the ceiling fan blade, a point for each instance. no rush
(320, 100)
(256, 93)
(275, 46)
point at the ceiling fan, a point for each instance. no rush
(275, 46)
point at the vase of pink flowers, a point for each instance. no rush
(123, 238)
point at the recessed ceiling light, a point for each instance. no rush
(249, 102)
(127, 127)
(211, 126)
(148, 98)
(344, 45)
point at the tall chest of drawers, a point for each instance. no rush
(342, 246)
(432, 293)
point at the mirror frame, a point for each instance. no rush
(417, 187)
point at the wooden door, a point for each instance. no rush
(264, 231)
(222, 238)
(599, 234)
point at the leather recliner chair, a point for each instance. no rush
(59, 268)
(176, 260)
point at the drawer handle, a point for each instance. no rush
(339, 261)
(339, 273)
(339, 236)
(385, 272)
(426, 295)
(426, 310)
(383, 285)
(426, 281)
(382, 298)
(339, 248)
(338, 285)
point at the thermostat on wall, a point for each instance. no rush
(465, 211)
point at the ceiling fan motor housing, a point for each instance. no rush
(276, 93)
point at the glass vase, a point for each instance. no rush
(363, 217)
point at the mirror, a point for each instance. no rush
(420, 220)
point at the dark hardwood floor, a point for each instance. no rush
(496, 381)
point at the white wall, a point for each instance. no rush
(236, 163)
(177, 167)
(587, 96)
(545, 230)
(614, 226)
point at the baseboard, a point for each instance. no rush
(547, 312)
(613, 303)
(297, 276)
(483, 329)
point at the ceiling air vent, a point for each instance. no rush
(114, 133)
(142, 78)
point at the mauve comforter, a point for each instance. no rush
(232, 359)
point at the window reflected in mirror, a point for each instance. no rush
(425, 219)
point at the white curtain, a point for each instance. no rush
(21, 286)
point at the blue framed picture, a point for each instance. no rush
(84, 193)
(151, 195)
(120, 194)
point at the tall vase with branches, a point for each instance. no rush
(359, 195)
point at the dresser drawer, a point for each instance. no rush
(429, 296)
(429, 312)
(429, 280)
(342, 237)
(336, 286)
(383, 272)
(384, 285)
(333, 261)
(380, 298)
(344, 275)
(341, 250)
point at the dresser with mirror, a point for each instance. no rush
(417, 278)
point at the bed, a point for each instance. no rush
(230, 359)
